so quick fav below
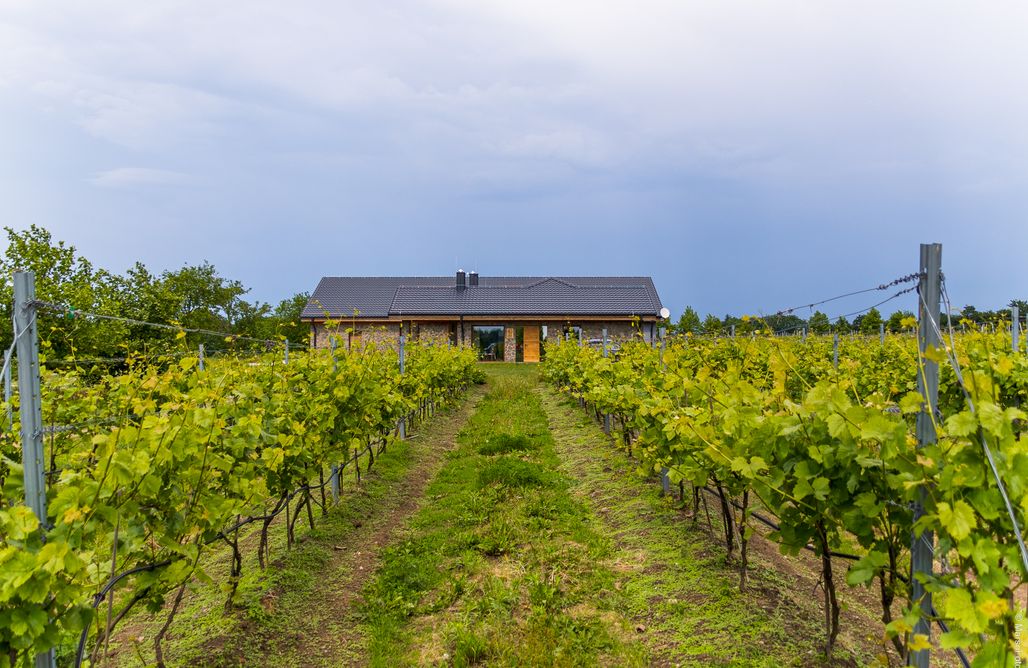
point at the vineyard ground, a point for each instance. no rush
(512, 532)
(574, 559)
(298, 612)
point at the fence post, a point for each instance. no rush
(201, 357)
(286, 357)
(1015, 328)
(922, 546)
(804, 335)
(7, 388)
(332, 347)
(27, 348)
(663, 346)
(402, 427)
(733, 331)
(835, 350)
(606, 416)
(881, 333)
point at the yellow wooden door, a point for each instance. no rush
(531, 342)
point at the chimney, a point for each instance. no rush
(473, 279)
(461, 284)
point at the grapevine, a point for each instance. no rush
(831, 454)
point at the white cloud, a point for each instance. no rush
(128, 177)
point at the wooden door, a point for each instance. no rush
(531, 343)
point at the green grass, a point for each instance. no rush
(501, 566)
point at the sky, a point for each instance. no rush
(749, 156)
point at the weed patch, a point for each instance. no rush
(502, 444)
(511, 472)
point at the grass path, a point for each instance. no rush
(541, 546)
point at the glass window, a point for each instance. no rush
(488, 341)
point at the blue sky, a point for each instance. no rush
(747, 155)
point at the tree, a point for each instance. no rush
(688, 322)
(895, 322)
(819, 323)
(193, 296)
(711, 325)
(287, 318)
(64, 278)
(871, 322)
(842, 325)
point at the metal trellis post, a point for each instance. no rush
(663, 346)
(201, 357)
(1015, 328)
(7, 388)
(285, 357)
(402, 427)
(835, 350)
(881, 333)
(30, 401)
(922, 546)
(606, 416)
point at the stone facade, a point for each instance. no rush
(437, 333)
(360, 334)
(384, 335)
(510, 344)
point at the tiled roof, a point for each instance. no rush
(381, 297)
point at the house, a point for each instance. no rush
(504, 317)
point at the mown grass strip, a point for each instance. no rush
(503, 565)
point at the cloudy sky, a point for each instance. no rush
(747, 155)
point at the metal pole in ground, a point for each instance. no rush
(402, 427)
(606, 416)
(665, 483)
(663, 346)
(286, 357)
(922, 546)
(201, 357)
(1015, 328)
(336, 469)
(30, 401)
(7, 388)
(835, 350)
(881, 333)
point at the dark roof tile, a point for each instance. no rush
(380, 297)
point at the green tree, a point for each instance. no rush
(871, 322)
(895, 322)
(711, 325)
(819, 323)
(64, 278)
(287, 318)
(688, 322)
(842, 325)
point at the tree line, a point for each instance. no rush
(193, 296)
(819, 323)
